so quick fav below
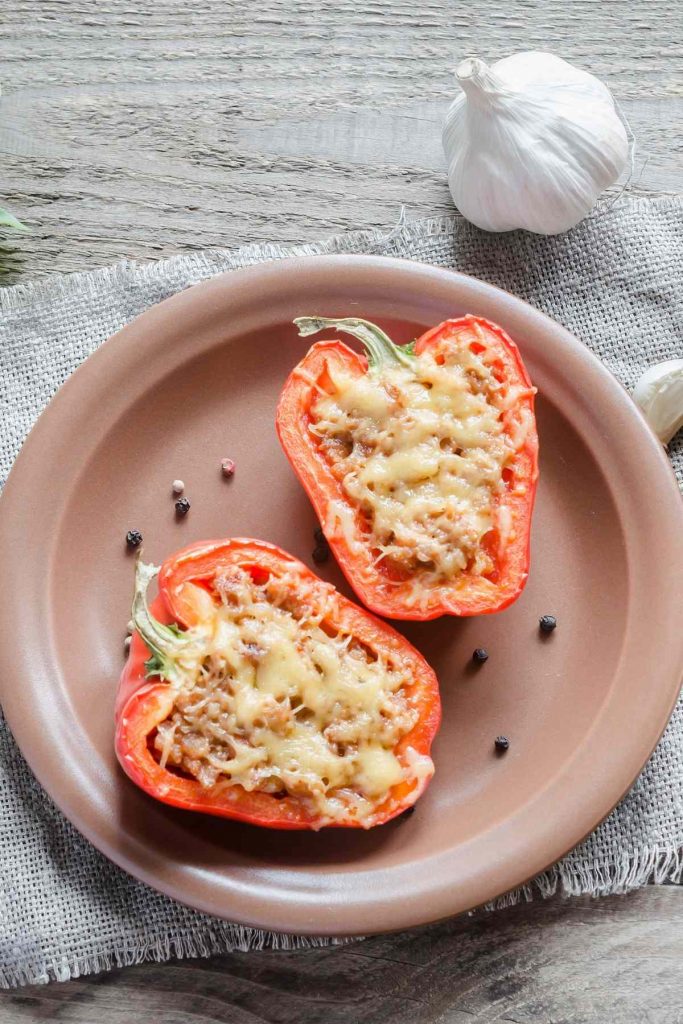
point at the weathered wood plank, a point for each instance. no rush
(143, 130)
(590, 961)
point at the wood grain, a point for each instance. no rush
(609, 961)
(142, 130)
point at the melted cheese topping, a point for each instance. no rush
(421, 452)
(271, 701)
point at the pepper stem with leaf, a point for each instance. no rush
(165, 642)
(381, 350)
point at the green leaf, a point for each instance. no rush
(8, 220)
(154, 665)
(160, 665)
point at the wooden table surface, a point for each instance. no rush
(141, 130)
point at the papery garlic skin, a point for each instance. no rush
(659, 393)
(531, 143)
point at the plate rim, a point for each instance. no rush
(237, 281)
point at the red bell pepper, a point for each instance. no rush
(377, 585)
(147, 687)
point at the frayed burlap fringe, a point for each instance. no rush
(181, 946)
(628, 872)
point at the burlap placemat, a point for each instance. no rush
(616, 281)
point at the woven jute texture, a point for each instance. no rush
(616, 282)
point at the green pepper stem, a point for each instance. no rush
(380, 348)
(164, 641)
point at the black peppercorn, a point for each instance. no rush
(319, 535)
(547, 623)
(480, 655)
(321, 554)
(133, 538)
(182, 506)
(501, 744)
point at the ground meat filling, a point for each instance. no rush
(276, 701)
(421, 451)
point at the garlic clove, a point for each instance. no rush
(659, 393)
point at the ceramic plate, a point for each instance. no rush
(196, 379)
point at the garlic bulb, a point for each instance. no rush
(531, 143)
(659, 393)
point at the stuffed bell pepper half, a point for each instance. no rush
(253, 690)
(421, 463)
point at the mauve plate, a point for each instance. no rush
(197, 378)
